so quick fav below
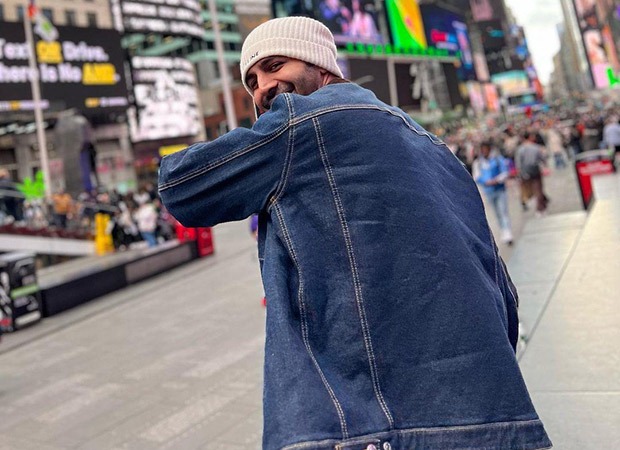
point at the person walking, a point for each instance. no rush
(529, 161)
(491, 170)
(391, 320)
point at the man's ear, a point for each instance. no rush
(326, 76)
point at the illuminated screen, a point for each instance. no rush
(447, 31)
(83, 68)
(350, 21)
(406, 24)
(166, 98)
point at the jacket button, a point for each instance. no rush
(387, 446)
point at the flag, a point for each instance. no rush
(43, 26)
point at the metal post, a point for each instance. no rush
(231, 117)
(38, 114)
(392, 82)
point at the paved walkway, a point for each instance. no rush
(572, 361)
(176, 361)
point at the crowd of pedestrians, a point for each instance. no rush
(134, 217)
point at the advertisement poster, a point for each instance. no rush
(83, 68)
(511, 83)
(350, 21)
(482, 10)
(168, 17)
(448, 31)
(596, 51)
(166, 97)
(407, 27)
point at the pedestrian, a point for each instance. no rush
(611, 135)
(391, 320)
(553, 141)
(62, 204)
(146, 219)
(530, 160)
(491, 170)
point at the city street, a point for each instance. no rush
(176, 361)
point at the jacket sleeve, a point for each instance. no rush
(229, 178)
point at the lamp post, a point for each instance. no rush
(231, 117)
(38, 114)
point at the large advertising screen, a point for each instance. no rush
(166, 97)
(83, 68)
(482, 10)
(597, 46)
(167, 17)
(407, 27)
(350, 21)
(448, 31)
(515, 82)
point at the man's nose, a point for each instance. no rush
(267, 87)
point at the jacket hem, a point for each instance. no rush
(515, 435)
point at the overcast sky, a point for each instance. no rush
(540, 17)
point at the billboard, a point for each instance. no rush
(447, 30)
(167, 17)
(406, 25)
(81, 69)
(166, 99)
(350, 21)
(493, 35)
(482, 10)
(515, 82)
(594, 45)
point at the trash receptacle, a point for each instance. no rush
(19, 291)
(592, 162)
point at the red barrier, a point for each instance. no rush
(202, 236)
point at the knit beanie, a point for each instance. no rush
(295, 37)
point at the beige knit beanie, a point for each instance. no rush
(296, 37)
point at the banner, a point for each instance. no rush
(166, 98)
(82, 69)
(167, 17)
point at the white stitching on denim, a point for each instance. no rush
(354, 272)
(495, 250)
(406, 431)
(287, 168)
(329, 109)
(304, 323)
(215, 164)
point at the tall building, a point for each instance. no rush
(83, 13)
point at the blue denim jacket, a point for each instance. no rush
(391, 320)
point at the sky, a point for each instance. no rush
(539, 18)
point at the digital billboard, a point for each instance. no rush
(596, 51)
(406, 25)
(448, 31)
(166, 17)
(350, 21)
(166, 99)
(83, 68)
(515, 82)
(482, 10)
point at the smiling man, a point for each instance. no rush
(391, 319)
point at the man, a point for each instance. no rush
(490, 170)
(391, 320)
(530, 158)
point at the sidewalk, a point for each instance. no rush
(567, 270)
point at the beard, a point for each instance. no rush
(305, 83)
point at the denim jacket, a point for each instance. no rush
(391, 320)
